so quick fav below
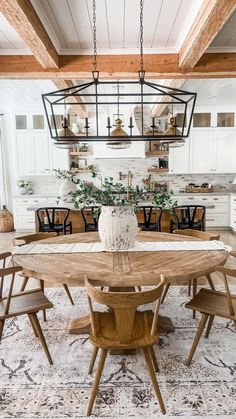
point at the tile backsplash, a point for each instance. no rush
(48, 185)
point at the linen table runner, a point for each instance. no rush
(45, 248)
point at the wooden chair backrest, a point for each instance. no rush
(90, 216)
(189, 213)
(148, 211)
(203, 235)
(21, 240)
(50, 215)
(5, 272)
(228, 272)
(124, 305)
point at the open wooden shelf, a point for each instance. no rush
(80, 171)
(157, 153)
(80, 153)
(158, 170)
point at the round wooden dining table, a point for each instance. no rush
(119, 269)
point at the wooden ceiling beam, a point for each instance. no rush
(23, 18)
(79, 108)
(210, 19)
(158, 108)
(158, 66)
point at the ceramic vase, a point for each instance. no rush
(117, 227)
(22, 191)
(65, 189)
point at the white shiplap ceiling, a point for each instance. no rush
(10, 41)
(23, 94)
(69, 25)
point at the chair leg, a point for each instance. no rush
(210, 323)
(44, 311)
(24, 283)
(210, 282)
(153, 378)
(41, 337)
(164, 293)
(96, 381)
(68, 293)
(33, 327)
(154, 359)
(1, 328)
(189, 287)
(93, 359)
(197, 338)
(194, 293)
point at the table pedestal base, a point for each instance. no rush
(81, 326)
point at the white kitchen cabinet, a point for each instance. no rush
(25, 220)
(41, 152)
(35, 152)
(179, 159)
(225, 144)
(233, 212)
(217, 207)
(202, 151)
(213, 150)
(24, 148)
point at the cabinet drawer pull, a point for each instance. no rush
(215, 199)
(210, 219)
(190, 198)
(211, 206)
(204, 199)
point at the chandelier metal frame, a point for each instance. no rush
(96, 94)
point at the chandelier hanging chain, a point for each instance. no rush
(141, 35)
(94, 37)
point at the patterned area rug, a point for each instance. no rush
(30, 388)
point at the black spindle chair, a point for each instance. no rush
(48, 220)
(188, 216)
(151, 218)
(90, 216)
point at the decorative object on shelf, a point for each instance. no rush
(24, 187)
(99, 97)
(6, 220)
(204, 188)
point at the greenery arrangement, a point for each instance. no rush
(65, 174)
(116, 194)
(23, 183)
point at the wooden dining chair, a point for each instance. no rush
(22, 240)
(151, 218)
(15, 304)
(123, 327)
(211, 303)
(192, 283)
(54, 219)
(188, 217)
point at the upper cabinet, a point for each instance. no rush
(179, 159)
(35, 152)
(213, 151)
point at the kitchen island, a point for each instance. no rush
(219, 207)
(77, 220)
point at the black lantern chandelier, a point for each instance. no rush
(133, 98)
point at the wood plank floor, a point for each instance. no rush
(227, 236)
